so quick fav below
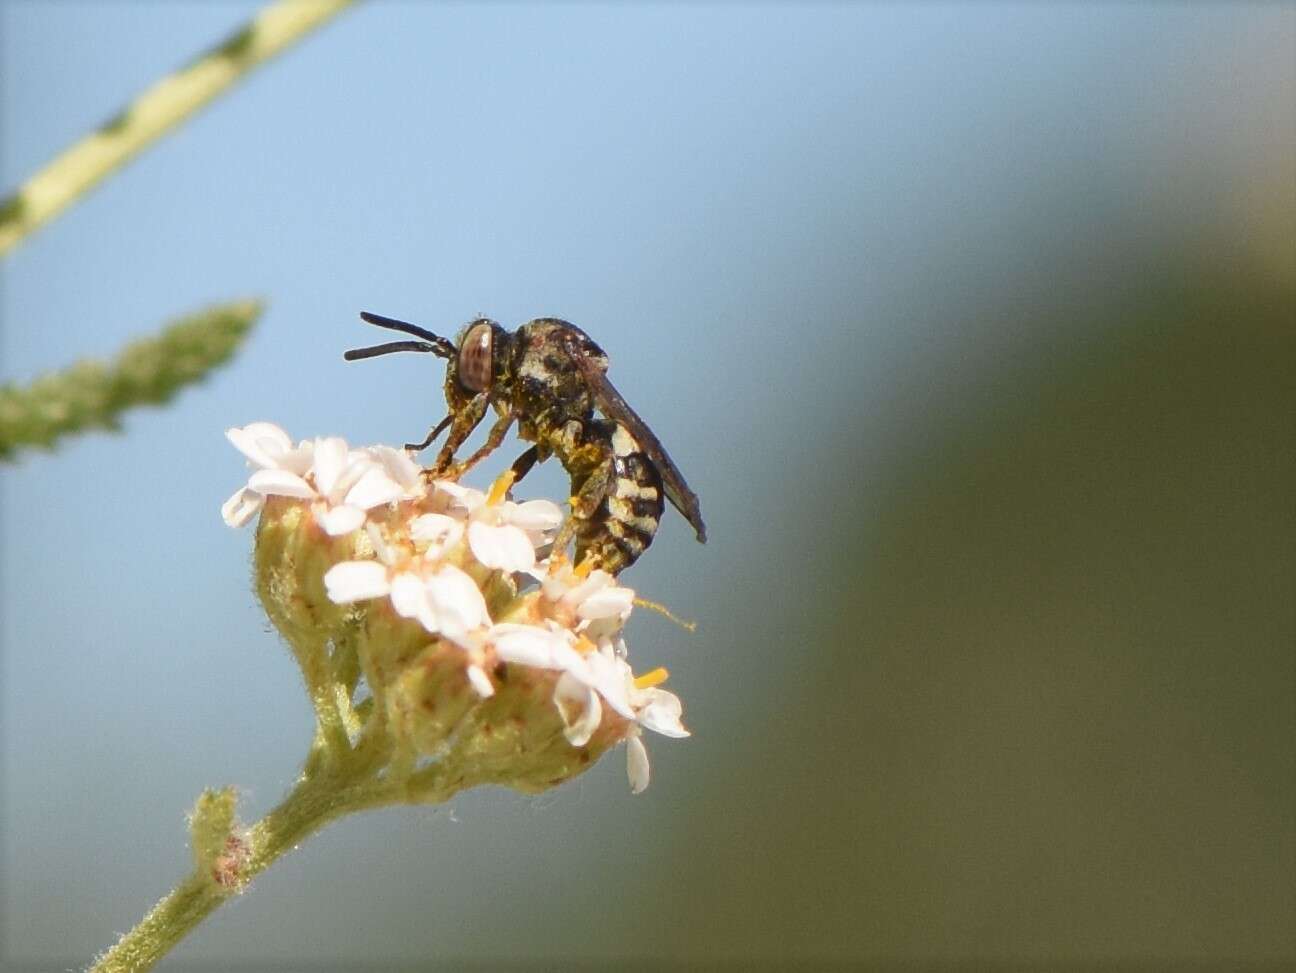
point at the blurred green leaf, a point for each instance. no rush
(92, 394)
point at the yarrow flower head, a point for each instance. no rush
(480, 650)
(341, 484)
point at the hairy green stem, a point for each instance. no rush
(160, 930)
(321, 684)
(313, 803)
(155, 112)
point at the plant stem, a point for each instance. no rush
(321, 683)
(312, 804)
(168, 923)
(155, 112)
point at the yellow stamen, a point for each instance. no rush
(500, 487)
(649, 679)
(583, 569)
(583, 644)
(663, 610)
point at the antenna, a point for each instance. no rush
(355, 354)
(442, 347)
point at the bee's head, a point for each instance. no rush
(480, 359)
(474, 362)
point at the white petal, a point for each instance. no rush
(662, 713)
(506, 628)
(349, 581)
(600, 629)
(280, 483)
(480, 682)
(337, 521)
(462, 497)
(261, 442)
(456, 600)
(636, 764)
(535, 515)
(569, 660)
(374, 487)
(330, 461)
(272, 434)
(356, 465)
(540, 540)
(439, 531)
(242, 507)
(608, 676)
(382, 550)
(528, 645)
(299, 459)
(400, 466)
(579, 708)
(409, 596)
(432, 527)
(612, 602)
(427, 616)
(553, 586)
(563, 654)
(597, 581)
(505, 548)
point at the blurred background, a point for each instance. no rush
(973, 327)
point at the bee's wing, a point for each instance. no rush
(616, 408)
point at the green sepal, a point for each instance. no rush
(210, 825)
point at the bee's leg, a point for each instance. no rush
(520, 468)
(522, 465)
(586, 502)
(465, 421)
(493, 440)
(436, 431)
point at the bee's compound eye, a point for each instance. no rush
(475, 358)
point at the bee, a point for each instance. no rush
(551, 379)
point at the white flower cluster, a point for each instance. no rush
(341, 484)
(435, 568)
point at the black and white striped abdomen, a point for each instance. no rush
(627, 519)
